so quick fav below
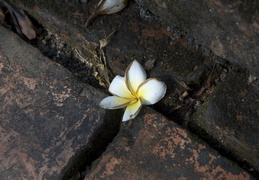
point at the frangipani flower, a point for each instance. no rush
(133, 91)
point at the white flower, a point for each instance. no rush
(133, 91)
(110, 6)
(107, 7)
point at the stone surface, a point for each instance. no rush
(138, 36)
(44, 120)
(230, 117)
(219, 25)
(151, 147)
(150, 34)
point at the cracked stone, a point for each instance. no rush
(152, 147)
(159, 44)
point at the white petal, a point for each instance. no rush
(135, 75)
(118, 88)
(110, 6)
(132, 111)
(114, 102)
(151, 91)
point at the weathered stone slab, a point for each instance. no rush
(44, 122)
(142, 38)
(152, 147)
(162, 51)
(229, 118)
(219, 25)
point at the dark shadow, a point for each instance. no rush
(82, 162)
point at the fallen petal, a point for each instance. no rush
(135, 75)
(113, 102)
(118, 88)
(132, 111)
(151, 91)
(110, 6)
(107, 7)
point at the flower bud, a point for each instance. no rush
(107, 7)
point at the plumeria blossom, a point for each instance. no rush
(133, 91)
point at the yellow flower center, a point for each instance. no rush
(134, 100)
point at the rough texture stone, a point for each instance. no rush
(141, 37)
(217, 24)
(230, 117)
(151, 147)
(138, 36)
(44, 121)
(152, 37)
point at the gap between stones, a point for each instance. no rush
(85, 159)
(58, 51)
(183, 116)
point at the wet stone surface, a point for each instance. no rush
(151, 147)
